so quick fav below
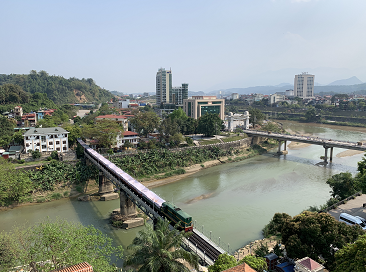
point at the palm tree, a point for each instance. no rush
(160, 250)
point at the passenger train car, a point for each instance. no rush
(174, 214)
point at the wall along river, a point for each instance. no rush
(233, 200)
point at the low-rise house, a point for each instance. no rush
(308, 265)
(46, 139)
(29, 118)
(120, 119)
(240, 268)
(18, 111)
(128, 136)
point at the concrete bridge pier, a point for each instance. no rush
(106, 188)
(284, 152)
(127, 207)
(331, 154)
(326, 154)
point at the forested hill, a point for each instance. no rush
(58, 89)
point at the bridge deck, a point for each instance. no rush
(307, 139)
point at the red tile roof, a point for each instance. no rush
(310, 264)
(130, 133)
(81, 267)
(241, 268)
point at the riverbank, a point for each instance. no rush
(190, 170)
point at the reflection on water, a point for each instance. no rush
(233, 200)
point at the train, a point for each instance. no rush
(174, 214)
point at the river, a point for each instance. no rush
(233, 200)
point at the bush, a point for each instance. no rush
(66, 194)
(41, 200)
(79, 188)
(35, 154)
(54, 155)
(56, 196)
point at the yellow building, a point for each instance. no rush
(198, 106)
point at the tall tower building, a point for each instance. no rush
(178, 94)
(304, 85)
(163, 86)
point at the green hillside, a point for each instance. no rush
(59, 89)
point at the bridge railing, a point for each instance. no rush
(213, 237)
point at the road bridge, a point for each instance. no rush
(326, 143)
(204, 247)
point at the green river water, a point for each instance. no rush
(233, 200)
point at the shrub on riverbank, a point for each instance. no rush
(164, 161)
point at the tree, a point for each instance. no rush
(104, 131)
(312, 235)
(257, 263)
(6, 131)
(352, 257)
(178, 114)
(256, 116)
(189, 126)
(63, 244)
(14, 185)
(223, 262)
(35, 153)
(310, 115)
(145, 122)
(343, 185)
(168, 127)
(160, 250)
(18, 137)
(210, 124)
(74, 133)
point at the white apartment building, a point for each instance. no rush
(163, 86)
(128, 136)
(121, 104)
(46, 139)
(304, 85)
(275, 98)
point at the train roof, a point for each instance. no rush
(176, 209)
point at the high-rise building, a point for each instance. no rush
(198, 106)
(304, 85)
(178, 94)
(163, 86)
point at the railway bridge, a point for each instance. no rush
(326, 143)
(206, 249)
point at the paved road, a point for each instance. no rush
(353, 207)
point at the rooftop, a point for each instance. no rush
(39, 131)
(81, 267)
(111, 116)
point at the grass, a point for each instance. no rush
(41, 200)
(56, 196)
(232, 139)
(207, 142)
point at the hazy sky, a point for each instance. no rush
(208, 44)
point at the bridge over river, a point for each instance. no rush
(133, 193)
(326, 143)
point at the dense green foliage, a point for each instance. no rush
(14, 185)
(57, 88)
(160, 250)
(343, 185)
(104, 131)
(256, 116)
(145, 122)
(210, 124)
(352, 257)
(164, 160)
(60, 243)
(48, 175)
(223, 262)
(6, 131)
(257, 263)
(312, 235)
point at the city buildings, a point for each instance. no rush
(163, 86)
(46, 139)
(304, 85)
(178, 94)
(120, 119)
(198, 106)
(165, 93)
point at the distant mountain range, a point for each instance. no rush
(349, 85)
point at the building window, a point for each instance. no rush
(64, 148)
(43, 146)
(27, 145)
(27, 138)
(64, 142)
(58, 149)
(57, 142)
(50, 143)
(37, 144)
